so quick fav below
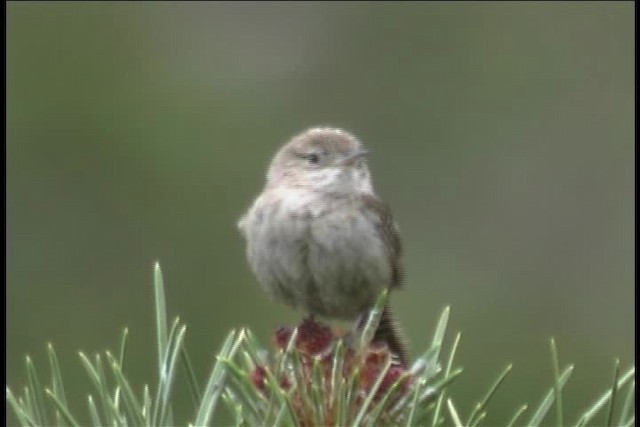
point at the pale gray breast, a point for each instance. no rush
(276, 246)
(345, 247)
(322, 254)
(346, 259)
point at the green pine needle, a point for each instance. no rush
(521, 410)
(350, 382)
(556, 382)
(483, 404)
(541, 412)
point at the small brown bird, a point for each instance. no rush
(319, 239)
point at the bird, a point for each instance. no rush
(319, 239)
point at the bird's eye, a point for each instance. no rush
(313, 158)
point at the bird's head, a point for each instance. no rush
(321, 159)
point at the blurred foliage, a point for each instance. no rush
(501, 134)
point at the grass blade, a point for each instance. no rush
(373, 320)
(481, 417)
(433, 390)
(441, 329)
(192, 382)
(93, 412)
(318, 392)
(380, 406)
(556, 382)
(517, 415)
(299, 377)
(588, 415)
(116, 399)
(217, 378)
(252, 346)
(483, 403)
(108, 407)
(427, 365)
(278, 396)
(336, 373)
(123, 348)
(340, 410)
(614, 392)
(146, 403)
(280, 415)
(38, 400)
(454, 414)
(21, 414)
(350, 396)
(234, 407)
(163, 375)
(245, 385)
(372, 393)
(414, 404)
(284, 356)
(628, 404)
(436, 412)
(161, 314)
(28, 405)
(162, 412)
(56, 376)
(64, 411)
(130, 401)
(540, 413)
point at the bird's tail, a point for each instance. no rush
(390, 332)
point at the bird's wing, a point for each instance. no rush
(390, 234)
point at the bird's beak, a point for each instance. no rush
(357, 154)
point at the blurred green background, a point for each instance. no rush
(502, 135)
